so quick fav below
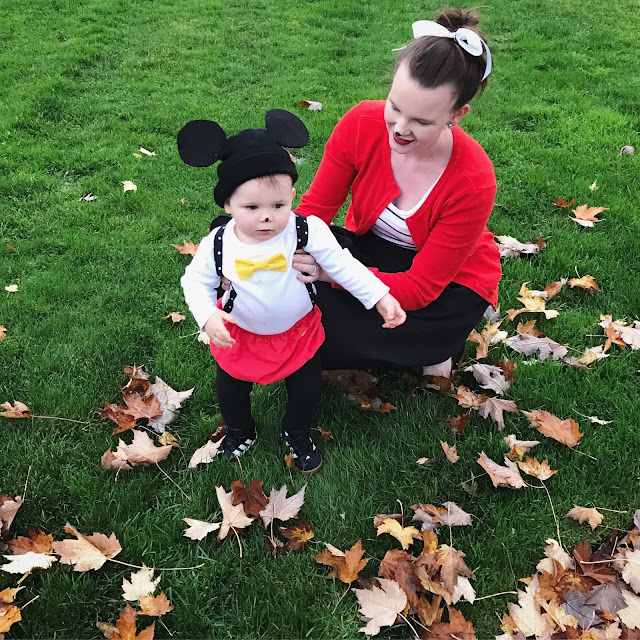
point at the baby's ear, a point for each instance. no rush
(286, 128)
(200, 142)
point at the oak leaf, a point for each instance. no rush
(38, 542)
(252, 497)
(404, 535)
(125, 627)
(565, 431)
(381, 604)
(18, 410)
(457, 628)
(142, 451)
(187, 249)
(508, 475)
(346, 565)
(450, 452)
(533, 467)
(141, 583)
(205, 454)
(25, 562)
(233, 516)
(298, 535)
(199, 529)
(517, 448)
(495, 408)
(585, 282)
(155, 605)
(592, 516)
(280, 507)
(86, 552)
(585, 215)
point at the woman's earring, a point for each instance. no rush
(450, 125)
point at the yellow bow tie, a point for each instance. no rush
(246, 268)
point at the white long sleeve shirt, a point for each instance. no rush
(271, 302)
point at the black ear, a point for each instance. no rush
(286, 128)
(200, 142)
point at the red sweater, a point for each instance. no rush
(449, 229)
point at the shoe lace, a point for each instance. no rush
(301, 443)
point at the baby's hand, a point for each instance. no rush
(216, 330)
(391, 311)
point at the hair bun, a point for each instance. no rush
(454, 19)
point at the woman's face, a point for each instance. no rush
(416, 117)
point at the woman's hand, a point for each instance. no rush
(217, 332)
(310, 270)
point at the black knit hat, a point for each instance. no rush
(252, 153)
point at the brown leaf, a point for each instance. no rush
(533, 467)
(508, 475)
(379, 518)
(138, 380)
(18, 410)
(553, 289)
(593, 516)
(517, 448)
(140, 408)
(450, 563)
(187, 249)
(9, 612)
(495, 408)
(175, 317)
(561, 202)
(154, 605)
(288, 460)
(565, 431)
(326, 435)
(8, 509)
(10, 248)
(298, 535)
(360, 388)
(114, 462)
(38, 542)
(456, 629)
(3, 332)
(125, 628)
(234, 517)
(450, 452)
(252, 497)
(466, 398)
(585, 216)
(86, 553)
(529, 328)
(457, 423)
(429, 612)
(508, 367)
(397, 565)
(585, 282)
(599, 572)
(120, 414)
(346, 565)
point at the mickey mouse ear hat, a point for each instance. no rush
(252, 153)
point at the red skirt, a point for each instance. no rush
(267, 358)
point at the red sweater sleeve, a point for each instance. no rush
(449, 243)
(335, 175)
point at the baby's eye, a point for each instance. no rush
(252, 207)
(279, 205)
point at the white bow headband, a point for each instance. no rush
(468, 39)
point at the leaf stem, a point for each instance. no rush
(172, 480)
(501, 593)
(553, 511)
(57, 418)
(28, 603)
(26, 482)
(136, 566)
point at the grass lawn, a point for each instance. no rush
(83, 84)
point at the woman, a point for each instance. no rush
(422, 191)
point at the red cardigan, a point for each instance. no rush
(449, 229)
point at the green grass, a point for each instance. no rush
(83, 85)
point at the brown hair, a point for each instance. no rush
(434, 61)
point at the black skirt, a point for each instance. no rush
(355, 338)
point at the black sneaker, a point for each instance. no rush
(237, 441)
(306, 456)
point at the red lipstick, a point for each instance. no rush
(400, 140)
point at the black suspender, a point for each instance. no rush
(302, 237)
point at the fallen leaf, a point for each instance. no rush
(531, 304)
(12, 288)
(37, 542)
(187, 249)
(89, 197)
(9, 612)
(168, 438)
(142, 451)
(310, 104)
(326, 435)
(251, 496)
(142, 583)
(450, 452)
(593, 186)
(466, 398)
(590, 355)
(142, 408)
(593, 516)
(457, 628)
(631, 571)
(457, 423)
(429, 612)
(346, 565)
(280, 507)
(429, 515)
(174, 316)
(8, 509)
(565, 431)
(205, 454)
(146, 152)
(463, 589)
(575, 606)
(127, 185)
(155, 605)
(526, 614)
(404, 535)
(619, 332)
(10, 248)
(125, 627)
(555, 553)
(86, 552)
(114, 461)
(586, 216)
(629, 151)
(553, 289)
(533, 467)
(288, 460)
(3, 332)
(491, 334)
(170, 402)
(360, 389)
(630, 615)
(198, 529)
(508, 475)
(454, 516)
(425, 462)
(494, 408)
(489, 377)
(561, 202)
(120, 414)
(381, 605)
(585, 282)
(18, 410)
(183, 201)
(511, 248)
(233, 516)
(451, 565)
(542, 346)
(517, 448)
(25, 562)
(297, 535)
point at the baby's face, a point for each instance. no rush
(261, 207)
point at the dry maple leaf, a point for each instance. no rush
(155, 605)
(310, 104)
(590, 355)
(450, 452)
(360, 388)
(529, 328)
(561, 202)
(429, 612)
(531, 304)
(541, 345)
(326, 435)
(142, 408)
(170, 403)
(142, 583)
(466, 398)
(404, 535)
(457, 628)
(585, 282)
(489, 377)
(297, 535)
(553, 289)
(114, 461)
(25, 562)
(86, 552)
(187, 249)
(630, 615)
(346, 565)
(508, 475)
(511, 248)
(142, 451)
(18, 410)
(233, 516)
(120, 414)
(252, 497)
(450, 563)
(565, 431)
(457, 423)
(288, 460)
(3, 332)
(280, 507)
(586, 215)
(517, 448)
(127, 185)
(533, 467)
(125, 627)
(9, 612)
(619, 332)
(381, 604)
(495, 408)
(205, 454)
(199, 529)
(8, 509)
(593, 516)
(526, 614)
(631, 572)
(11, 288)
(429, 515)
(174, 316)
(590, 568)
(38, 542)
(454, 516)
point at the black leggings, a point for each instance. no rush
(304, 388)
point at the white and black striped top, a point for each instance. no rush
(392, 226)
